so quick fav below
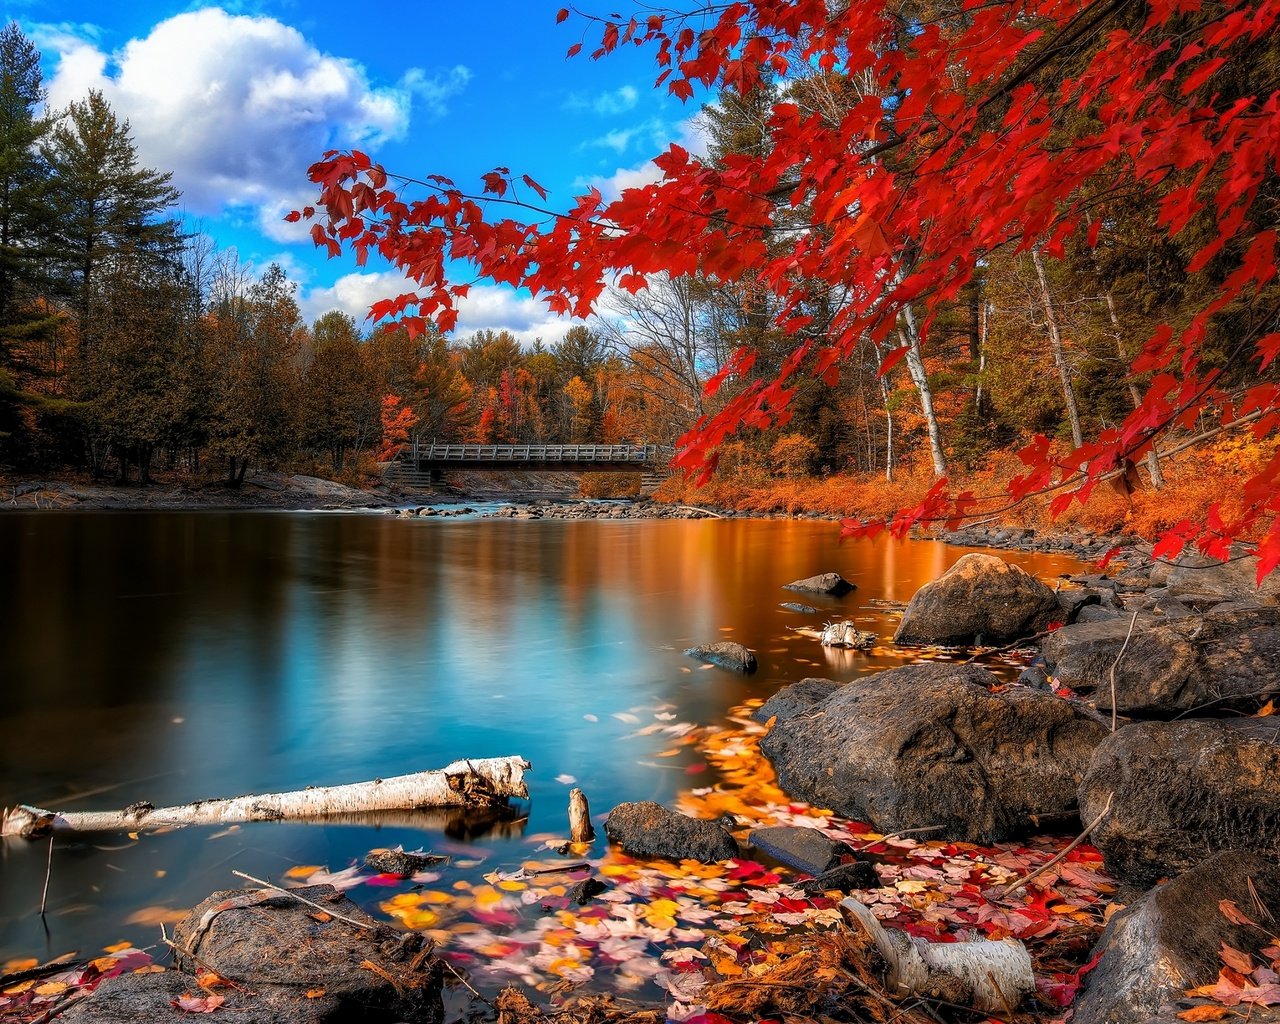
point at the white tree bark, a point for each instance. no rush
(915, 366)
(1059, 354)
(997, 975)
(472, 783)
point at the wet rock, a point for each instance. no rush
(585, 891)
(646, 829)
(792, 606)
(1034, 677)
(1220, 661)
(726, 654)
(1097, 613)
(979, 599)
(795, 699)
(1170, 940)
(826, 583)
(400, 862)
(931, 745)
(1182, 792)
(805, 849)
(130, 998)
(844, 878)
(1072, 602)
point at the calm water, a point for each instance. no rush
(174, 656)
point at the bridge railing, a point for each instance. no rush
(612, 453)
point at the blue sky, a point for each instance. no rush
(238, 99)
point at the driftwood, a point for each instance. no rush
(472, 783)
(840, 634)
(986, 975)
(580, 828)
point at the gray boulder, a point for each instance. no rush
(983, 598)
(726, 654)
(826, 583)
(1203, 582)
(647, 829)
(805, 849)
(795, 699)
(1182, 791)
(931, 745)
(1170, 939)
(1219, 661)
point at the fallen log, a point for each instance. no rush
(483, 782)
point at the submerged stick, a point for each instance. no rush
(471, 783)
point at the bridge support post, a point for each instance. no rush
(435, 476)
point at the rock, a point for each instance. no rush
(585, 891)
(1034, 677)
(1182, 792)
(846, 634)
(1205, 581)
(827, 583)
(979, 599)
(1219, 661)
(795, 699)
(726, 654)
(401, 863)
(1170, 939)
(130, 998)
(792, 606)
(1097, 613)
(844, 878)
(1073, 602)
(646, 829)
(931, 745)
(273, 943)
(805, 849)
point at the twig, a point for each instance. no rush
(899, 835)
(1115, 664)
(1024, 642)
(48, 870)
(301, 899)
(1070, 846)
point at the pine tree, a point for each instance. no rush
(106, 203)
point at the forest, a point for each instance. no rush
(130, 345)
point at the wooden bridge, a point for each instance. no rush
(423, 463)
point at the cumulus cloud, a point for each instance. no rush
(619, 101)
(688, 134)
(485, 307)
(238, 107)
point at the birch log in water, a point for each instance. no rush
(472, 783)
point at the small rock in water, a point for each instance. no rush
(585, 891)
(647, 829)
(792, 606)
(805, 849)
(726, 654)
(846, 634)
(844, 878)
(825, 583)
(401, 863)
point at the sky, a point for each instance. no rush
(237, 100)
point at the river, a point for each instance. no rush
(174, 656)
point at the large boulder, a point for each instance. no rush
(980, 599)
(825, 583)
(932, 745)
(795, 699)
(1219, 661)
(647, 829)
(1171, 939)
(726, 654)
(1182, 791)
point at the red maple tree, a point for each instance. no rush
(970, 127)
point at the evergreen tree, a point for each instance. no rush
(340, 408)
(106, 203)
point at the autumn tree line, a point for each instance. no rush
(128, 344)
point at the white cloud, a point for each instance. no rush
(238, 107)
(606, 104)
(486, 307)
(688, 134)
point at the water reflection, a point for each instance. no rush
(174, 656)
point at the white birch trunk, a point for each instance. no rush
(915, 366)
(1059, 354)
(472, 783)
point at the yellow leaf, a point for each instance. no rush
(155, 916)
(1207, 1012)
(23, 964)
(117, 947)
(1267, 710)
(149, 969)
(302, 871)
(50, 988)
(512, 886)
(314, 993)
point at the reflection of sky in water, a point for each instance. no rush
(170, 657)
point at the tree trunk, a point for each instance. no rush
(1059, 355)
(471, 783)
(888, 430)
(1153, 460)
(910, 336)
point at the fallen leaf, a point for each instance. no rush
(1209, 1011)
(1233, 957)
(197, 1004)
(314, 993)
(1234, 914)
